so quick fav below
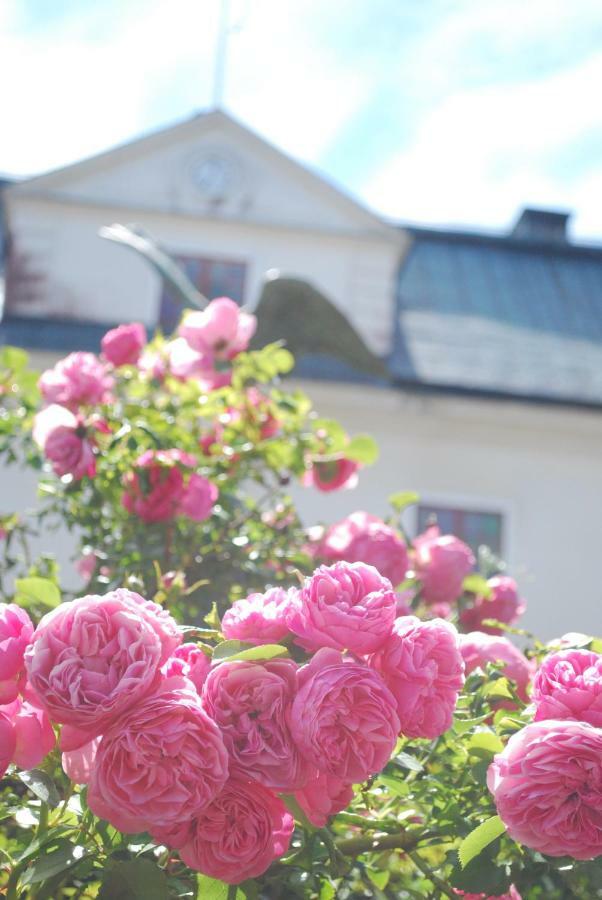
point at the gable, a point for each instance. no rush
(212, 167)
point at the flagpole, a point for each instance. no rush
(221, 48)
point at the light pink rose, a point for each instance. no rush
(362, 537)
(322, 797)
(184, 362)
(7, 742)
(547, 787)
(161, 486)
(16, 629)
(123, 345)
(86, 565)
(34, 736)
(512, 894)
(568, 685)
(62, 437)
(331, 474)
(240, 834)
(188, 661)
(478, 649)
(441, 563)
(222, 329)
(258, 618)
(92, 658)
(504, 605)
(153, 364)
(163, 763)
(251, 702)
(343, 717)
(79, 762)
(347, 606)
(422, 666)
(199, 496)
(78, 379)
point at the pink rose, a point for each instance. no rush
(343, 718)
(92, 658)
(62, 438)
(347, 606)
(504, 605)
(222, 329)
(331, 474)
(362, 537)
(7, 742)
(251, 702)
(16, 629)
(79, 379)
(512, 894)
(188, 661)
(86, 565)
(547, 787)
(161, 487)
(199, 496)
(239, 834)
(163, 763)
(34, 736)
(442, 562)
(78, 763)
(422, 666)
(123, 345)
(568, 685)
(258, 618)
(478, 649)
(183, 362)
(322, 797)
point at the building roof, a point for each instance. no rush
(516, 316)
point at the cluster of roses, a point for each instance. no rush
(197, 751)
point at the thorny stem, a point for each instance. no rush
(373, 844)
(426, 870)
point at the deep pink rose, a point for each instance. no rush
(80, 378)
(258, 618)
(322, 797)
(441, 562)
(16, 629)
(62, 437)
(347, 606)
(199, 496)
(547, 786)
(568, 685)
(422, 666)
(251, 702)
(92, 658)
(362, 537)
(512, 894)
(504, 605)
(7, 742)
(161, 486)
(123, 345)
(240, 834)
(331, 474)
(478, 649)
(188, 661)
(343, 717)
(161, 764)
(222, 329)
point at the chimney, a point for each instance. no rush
(541, 225)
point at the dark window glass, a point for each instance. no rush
(213, 278)
(471, 526)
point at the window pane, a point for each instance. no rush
(212, 277)
(471, 526)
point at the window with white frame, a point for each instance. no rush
(212, 277)
(473, 526)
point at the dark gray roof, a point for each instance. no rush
(510, 316)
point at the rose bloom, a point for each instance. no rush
(7, 742)
(78, 763)
(422, 666)
(504, 605)
(123, 345)
(33, 734)
(547, 787)
(347, 606)
(478, 649)
(91, 659)
(188, 661)
(331, 474)
(441, 563)
(78, 379)
(163, 763)
(240, 834)
(251, 702)
(322, 797)
(568, 685)
(512, 894)
(61, 436)
(222, 329)
(258, 618)
(343, 718)
(16, 629)
(168, 488)
(362, 537)
(199, 496)
(86, 565)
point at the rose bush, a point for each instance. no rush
(237, 707)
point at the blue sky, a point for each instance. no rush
(429, 110)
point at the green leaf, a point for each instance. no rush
(486, 740)
(398, 788)
(33, 590)
(52, 861)
(480, 838)
(476, 584)
(13, 358)
(596, 646)
(235, 650)
(401, 499)
(333, 430)
(212, 889)
(363, 449)
(134, 879)
(378, 877)
(406, 761)
(42, 785)
(498, 688)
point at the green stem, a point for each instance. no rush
(232, 891)
(426, 870)
(373, 844)
(43, 822)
